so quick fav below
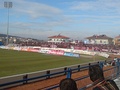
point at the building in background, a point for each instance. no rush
(99, 39)
(116, 40)
(58, 39)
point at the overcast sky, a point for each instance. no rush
(76, 19)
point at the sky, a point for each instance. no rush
(76, 19)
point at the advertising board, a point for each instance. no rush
(71, 54)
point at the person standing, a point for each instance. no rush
(100, 83)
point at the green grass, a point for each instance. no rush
(18, 62)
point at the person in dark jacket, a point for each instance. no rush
(68, 84)
(100, 83)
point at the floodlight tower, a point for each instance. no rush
(8, 5)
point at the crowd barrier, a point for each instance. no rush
(7, 82)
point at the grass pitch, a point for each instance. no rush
(18, 62)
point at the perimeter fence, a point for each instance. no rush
(17, 80)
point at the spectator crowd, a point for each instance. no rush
(77, 46)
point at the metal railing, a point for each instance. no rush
(67, 72)
(114, 75)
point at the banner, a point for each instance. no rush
(56, 52)
(71, 54)
(32, 50)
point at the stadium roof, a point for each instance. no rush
(99, 37)
(59, 36)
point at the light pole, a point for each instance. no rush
(8, 5)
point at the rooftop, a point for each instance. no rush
(59, 36)
(117, 36)
(99, 37)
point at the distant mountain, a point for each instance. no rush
(3, 35)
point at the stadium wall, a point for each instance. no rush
(57, 51)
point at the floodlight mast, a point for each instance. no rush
(8, 5)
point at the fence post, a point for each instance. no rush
(101, 65)
(69, 72)
(78, 68)
(105, 63)
(65, 69)
(25, 77)
(117, 67)
(48, 74)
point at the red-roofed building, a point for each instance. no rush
(117, 40)
(58, 39)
